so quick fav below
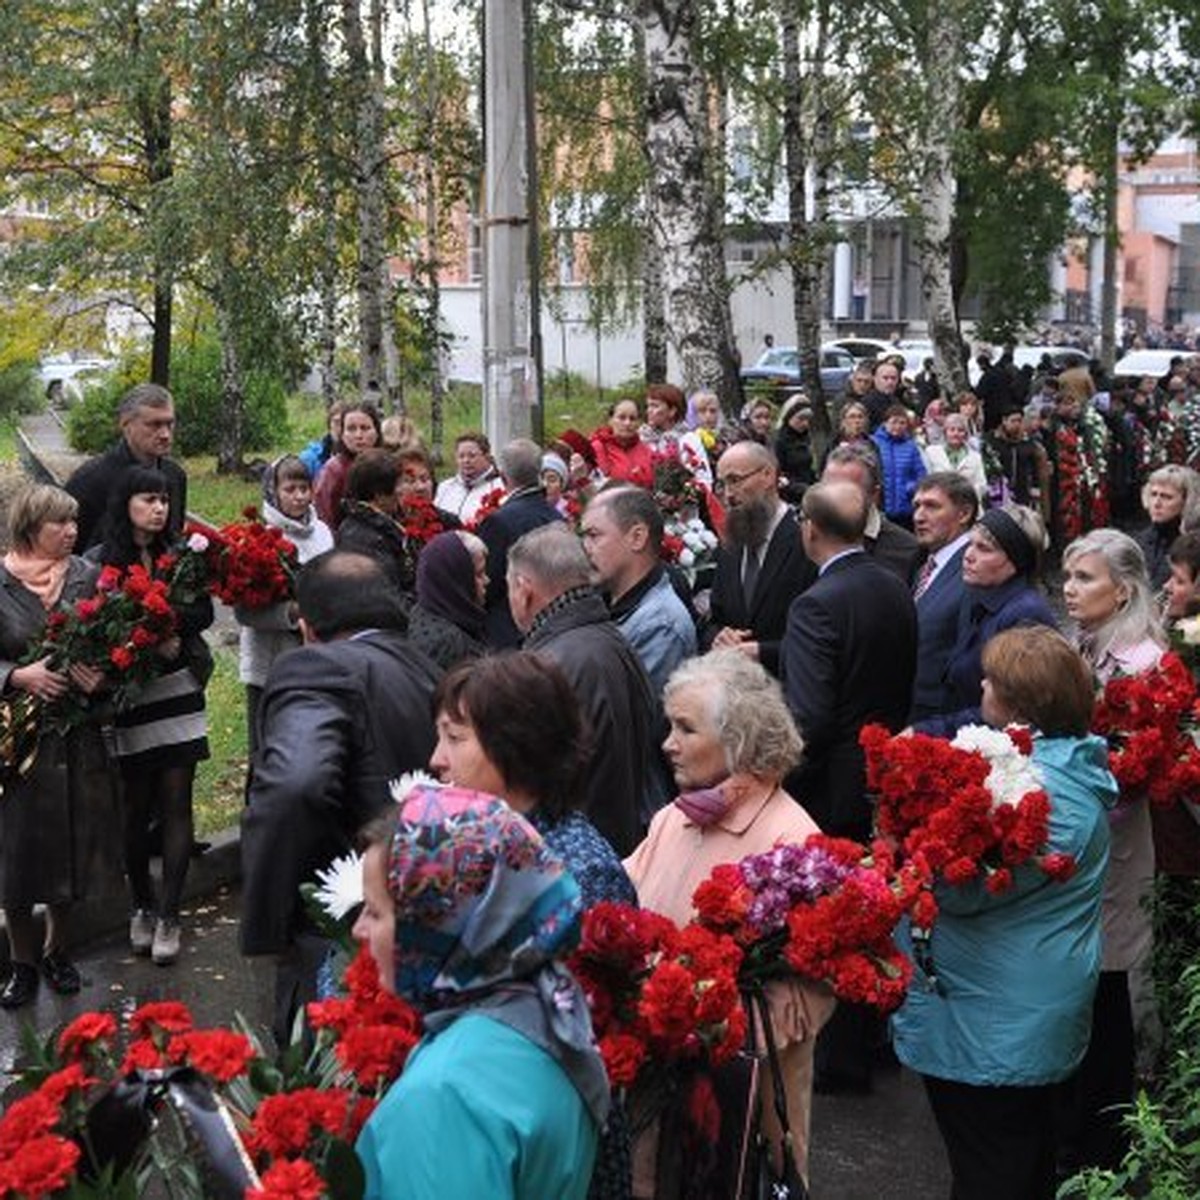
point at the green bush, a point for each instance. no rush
(196, 386)
(20, 389)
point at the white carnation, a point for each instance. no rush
(1189, 630)
(197, 543)
(1013, 775)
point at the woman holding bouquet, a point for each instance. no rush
(267, 632)
(1108, 597)
(731, 742)
(160, 736)
(998, 1012)
(56, 816)
(467, 913)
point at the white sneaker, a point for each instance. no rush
(141, 931)
(165, 948)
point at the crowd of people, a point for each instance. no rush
(613, 721)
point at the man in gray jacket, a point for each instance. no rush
(622, 537)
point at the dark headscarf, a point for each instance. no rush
(484, 913)
(1012, 539)
(446, 583)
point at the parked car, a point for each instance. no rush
(868, 349)
(1062, 357)
(779, 369)
(1138, 363)
(64, 379)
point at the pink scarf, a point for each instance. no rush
(43, 576)
(704, 807)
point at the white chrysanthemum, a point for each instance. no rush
(400, 788)
(1189, 630)
(1013, 775)
(341, 885)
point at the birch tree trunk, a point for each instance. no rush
(373, 291)
(943, 61)
(433, 298)
(805, 243)
(233, 390)
(327, 268)
(685, 221)
(654, 310)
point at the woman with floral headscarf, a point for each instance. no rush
(466, 913)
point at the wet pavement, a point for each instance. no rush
(878, 1147)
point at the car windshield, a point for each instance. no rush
(779, 357)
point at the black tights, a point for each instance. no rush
(169, 792)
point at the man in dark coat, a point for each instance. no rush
(849, 657)
(339, 718)
(146, 417)
(563, 617)
(889, 544)
(944, 509)
(524, 507)
(749, 603)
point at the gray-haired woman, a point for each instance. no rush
(732, 740)
(1107, 595)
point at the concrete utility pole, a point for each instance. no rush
(509, 376)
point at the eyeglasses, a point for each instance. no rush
(725, 482)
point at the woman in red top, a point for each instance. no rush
(620, 451)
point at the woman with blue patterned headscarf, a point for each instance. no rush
(466, 913)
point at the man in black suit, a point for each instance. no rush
(523, 508)
(761, 565)
(944, 509)
(891, 545)
(849, 657)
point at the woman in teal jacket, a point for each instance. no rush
(465, 912)
(1002, 1012)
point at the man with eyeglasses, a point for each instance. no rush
(761, 564)
(146, 417)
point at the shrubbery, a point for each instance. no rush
(196, 386)
(20, 389)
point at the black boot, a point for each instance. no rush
(21, 987)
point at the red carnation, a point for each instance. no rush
(40, 1167)
(142, 1055)
(289, 1180)
(217, 1052)
(121, 657)
(169, 1016)
(84, 1032)
(61, 1084)
(623, 1056)
(26, 1119)
(375, 1054)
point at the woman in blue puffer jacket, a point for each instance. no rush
(1002, 1012)
(903, 466)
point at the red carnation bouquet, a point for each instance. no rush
(250, 565)
(960, 810)
(659, 995)
(487, 506)
(1149, 721)
(419, 519)
(291, 1123)
(825, 910)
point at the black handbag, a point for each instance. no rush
(769, 1184)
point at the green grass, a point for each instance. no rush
(8, 440)
(220, 781)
